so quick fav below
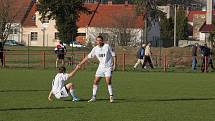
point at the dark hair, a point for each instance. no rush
(100, 37)
(62, 69)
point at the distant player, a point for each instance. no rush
(104, 53)
(60, 50)
(59, 89)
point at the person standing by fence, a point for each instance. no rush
(205, 52)
(140, 56)
(60, 50)
(211, 60)
(194, 54)
(2, 53)
(147, 57)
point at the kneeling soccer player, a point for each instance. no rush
(59, 89)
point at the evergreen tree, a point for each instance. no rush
(166, 28)
(66, 13)
(182, 24)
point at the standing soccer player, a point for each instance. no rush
(104, 53)
(59, 89)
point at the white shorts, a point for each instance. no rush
(62, 93)
(104, 72)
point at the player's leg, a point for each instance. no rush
(95, 88)
(150, 62)
(56, 63)
(144, 62)
(109, 86)
(62, 60)
(137, 63)
(108, 78)
(71, 89)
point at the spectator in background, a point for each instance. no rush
(211, 60)
(2, 53)
(194, 54)
(60, 50)
(147, 57)
(140, 56)
(205, 53)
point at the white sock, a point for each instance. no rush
(95, 87)
(110, 90)
(72, 92)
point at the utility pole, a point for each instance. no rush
(145, 27)
(175, 25)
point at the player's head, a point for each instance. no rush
(61, 69)
(99, 40)
(143, 45)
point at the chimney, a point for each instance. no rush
(110, 2)
(209, 13)
(126, 2)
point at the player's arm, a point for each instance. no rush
(114, 63)
(90, 55)
(113, 57)
(71, 74)
(50, 96)
(83, 61)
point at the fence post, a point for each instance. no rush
(123, 66)
(44, 59)
(4, 59)
(206, 64)
(164, 63)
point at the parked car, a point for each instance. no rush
(12, 43)
(75, 44)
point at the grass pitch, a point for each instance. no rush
(140, 96)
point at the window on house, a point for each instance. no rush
(33, 36)
(45, 20)
(15, 31)
(33, 18)
(56, 35)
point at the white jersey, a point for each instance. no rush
(58, 82)
(104, 54)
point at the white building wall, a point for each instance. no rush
(202, 36)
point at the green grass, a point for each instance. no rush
(140, 96)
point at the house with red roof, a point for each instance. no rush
(113, 21)
(18, 10)
(201, 22)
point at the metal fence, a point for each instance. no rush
(125, 61)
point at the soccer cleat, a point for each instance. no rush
(75, 99)
(92, 99)
(111, 99)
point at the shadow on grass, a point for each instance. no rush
(36, 108)
(171, 99)
(99, 100)
(179, 99)
(23, 90)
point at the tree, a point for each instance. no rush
(148, 9)
(212, 38)
(166, 29)
(66, 14)
(178, 2)
(7, 17)
(182, 24)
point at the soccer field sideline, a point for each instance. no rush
(140, 96)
